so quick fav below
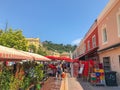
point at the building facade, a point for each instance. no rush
(102, 41)
(89, 45)
(34, 41)
(79, 50)
(109, 37)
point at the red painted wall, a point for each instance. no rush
(89, 38)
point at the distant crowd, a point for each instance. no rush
(58, 70)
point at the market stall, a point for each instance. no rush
(92, 72)
(19, 69)
(10, 68)
(98, 76)
(11, 54)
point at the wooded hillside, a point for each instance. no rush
(49, 45)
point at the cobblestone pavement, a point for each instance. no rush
(51, 84)
(88, 86)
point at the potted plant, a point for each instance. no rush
(38, 74)
(24, 84)
(5, 77)
(15, 83)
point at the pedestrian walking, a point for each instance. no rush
(59, 71)
(63, 66)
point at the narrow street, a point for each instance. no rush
(52, 84)
(88, 86)
(60, 45)
(72, 83)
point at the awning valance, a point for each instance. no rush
(60, 58)
(36, 57)
(88, 52)
(11, 54)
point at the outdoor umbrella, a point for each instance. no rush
(60, 58)
(67, 59)
(52, 57)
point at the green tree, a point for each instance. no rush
(41, 51)
(59, 47)
(32, 48)
(1, 31)
(13, 39)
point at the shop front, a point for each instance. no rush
(92, 69)
(110, 57)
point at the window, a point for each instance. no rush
(88, 45)
(93, 41)
(84, 47)
(104, 35)
(119, 59)
(118, 24)
(106, 63)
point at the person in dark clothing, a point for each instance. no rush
(14, 68)
(64, 67)
(59, 71)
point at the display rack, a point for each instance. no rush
(98, 77)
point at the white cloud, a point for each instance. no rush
(76, 42)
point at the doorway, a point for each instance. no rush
(106, 63)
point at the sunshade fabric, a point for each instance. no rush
(11, 54)
(60, 58)
(52, 57)
(36, 57)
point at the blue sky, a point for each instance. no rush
(59, 21)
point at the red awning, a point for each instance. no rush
(90, 51)
(75, 60)
(67, 59)
(60, 58)
(52, 57)
(52, 66)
